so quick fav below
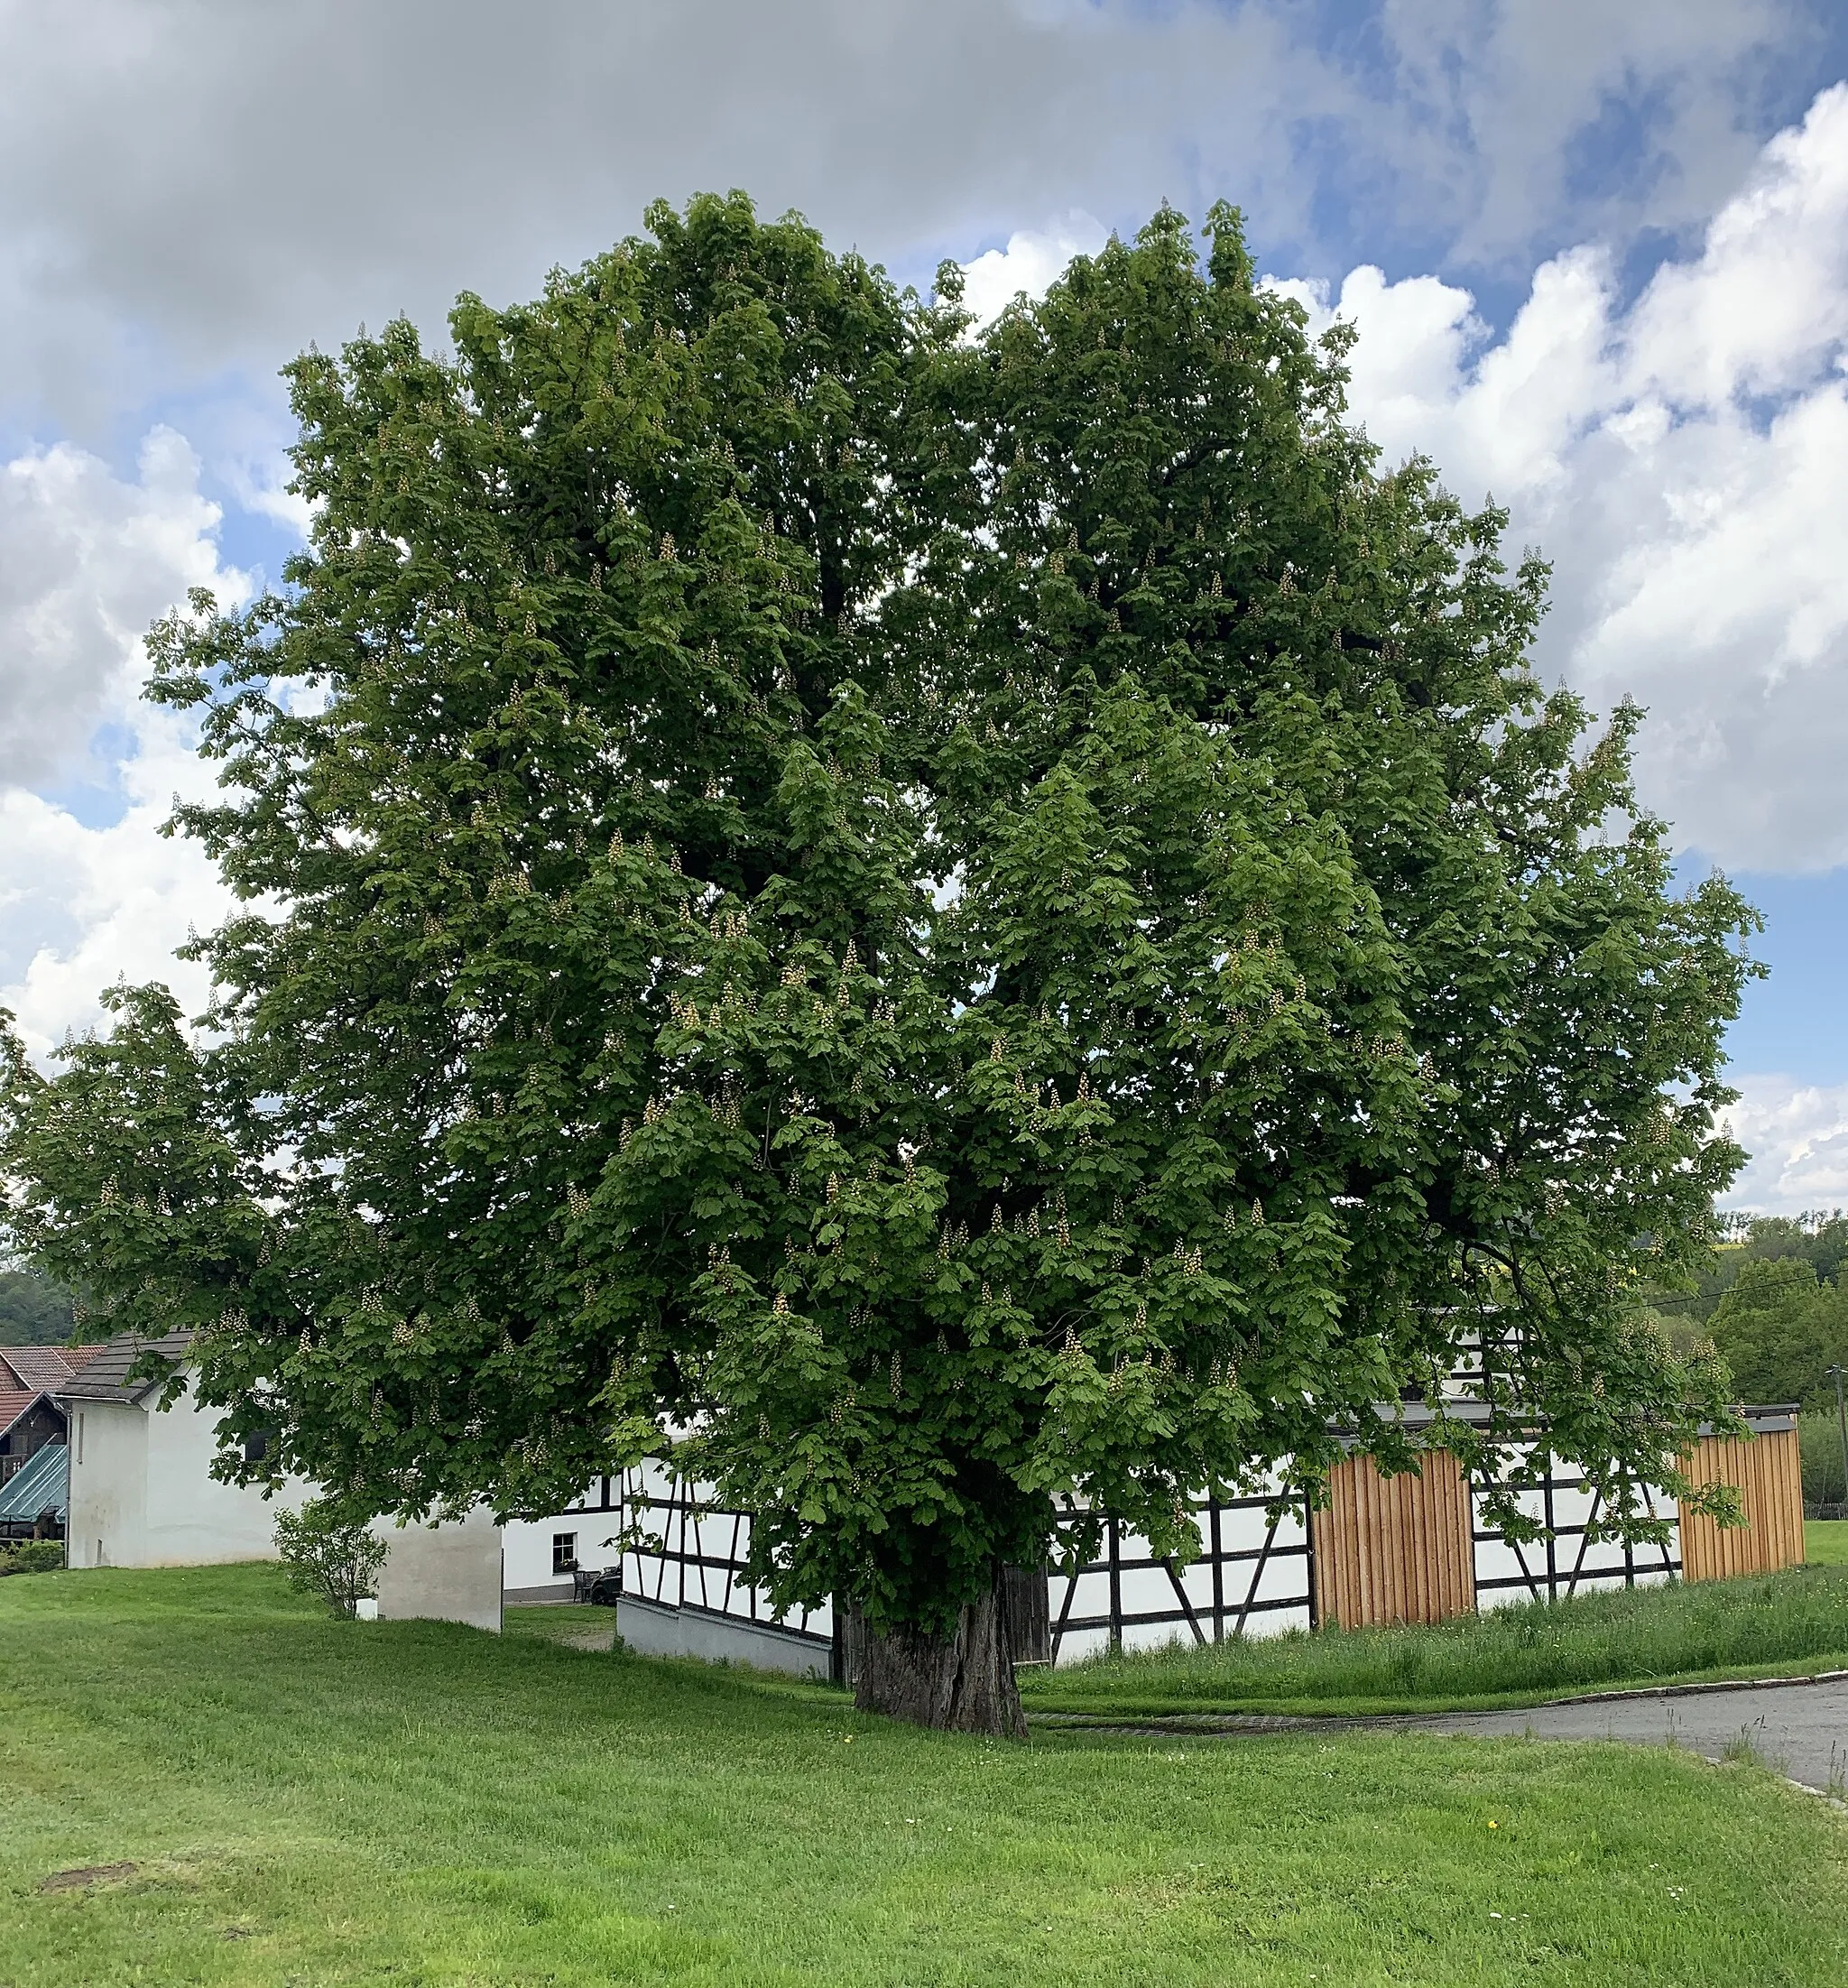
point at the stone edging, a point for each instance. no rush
(1685, 1690)
(1172, 1722)
(1821, 1794)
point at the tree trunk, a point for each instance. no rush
(960, 1683)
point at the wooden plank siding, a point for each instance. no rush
(1768, 1473)
(1394, 1549)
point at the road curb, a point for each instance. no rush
(1268, 1722)
(1681, 1690)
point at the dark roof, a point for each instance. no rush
(39, 1489)
(105, 1378)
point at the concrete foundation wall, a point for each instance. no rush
(448, 1573)
(660, 1631)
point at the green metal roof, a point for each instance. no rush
(39, 1488)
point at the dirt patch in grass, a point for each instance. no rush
(86, 1875)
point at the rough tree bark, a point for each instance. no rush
(962, 1682)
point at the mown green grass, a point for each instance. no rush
(309, 1801)
(1787, 1623)
(1825, 1541)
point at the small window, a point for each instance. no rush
(257, 1447)
(564, 1553)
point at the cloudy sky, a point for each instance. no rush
(1597, 254)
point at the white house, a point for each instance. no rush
(544, 1554)
(142, 1495)
(142, 1491)
(1410, 1549)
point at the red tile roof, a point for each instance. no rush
(32, 1373)
(43, 1367)
(13, 1403)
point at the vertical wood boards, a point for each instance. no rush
(1767, 1472)
(1395, 1549)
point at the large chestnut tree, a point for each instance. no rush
(959, 931)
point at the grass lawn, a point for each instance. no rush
(306, 1801)
(1777, 1624)
(1825, 1541)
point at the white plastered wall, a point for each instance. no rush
(142, 1494)
(106, 1523)
(527, 1544)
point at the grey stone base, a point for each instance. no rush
(656, 1630)
(448, 1573)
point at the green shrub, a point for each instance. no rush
(328, 1553)
(30, 1556)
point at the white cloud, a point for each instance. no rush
(83, 907)
(1684, 464)
(263, 488)
(86, 561)
(1520, 92)
(193, 188)
(1761, 309)
(1797, 1136)
(1031, 263)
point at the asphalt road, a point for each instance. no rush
(1798, 1730)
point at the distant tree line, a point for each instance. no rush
(35, 1310)
(1775, 1304)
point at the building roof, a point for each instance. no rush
(43, 1368)
(104, 1376)
(13, 1403)
(39, 1489)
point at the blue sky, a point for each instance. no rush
(1598, 257)
(1792, 1021)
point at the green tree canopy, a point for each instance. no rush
(1779, 1330)
(963, 929)
(1820, 1240)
